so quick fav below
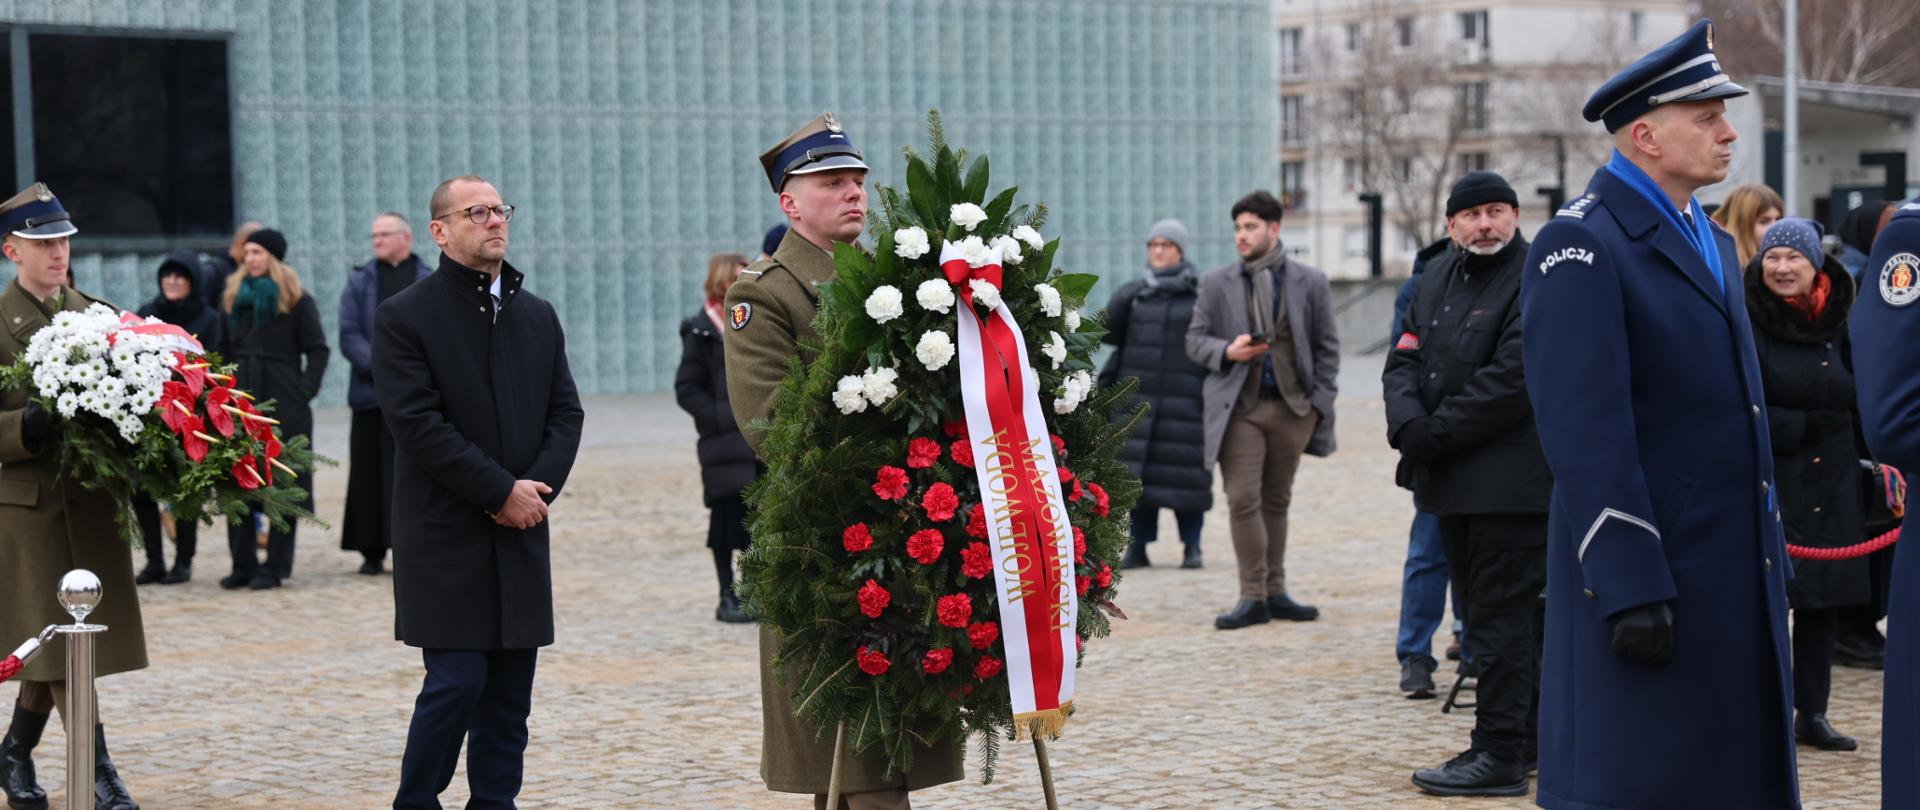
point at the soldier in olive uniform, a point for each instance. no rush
(50, 525)
(821, 183)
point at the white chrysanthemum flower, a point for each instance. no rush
(1073, 320)
(935, 350)
(984, 293)
(1049, 299)
(910, 243)
(850, 395)
(68, 404)
(1009, 249)
(1055, 348)
(967, 215)
(877, 385)
(885, 304)
(1027, 234)
(935, 295)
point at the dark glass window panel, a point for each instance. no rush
(9, 181)
(133, 133)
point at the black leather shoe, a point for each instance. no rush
(1814, 730)
(1453, 650)
(1136, 556)
(154, 572)
(1249, 611)
(1283, 607)
(372, 568)
(181, 572)
(109, 793)
(16, 761)
(729, 610)
(1474, 773)
(264, 580)
(234, 582)
(1858, 653)
(1416, 677)
(1191, 558)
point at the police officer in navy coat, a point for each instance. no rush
(1886, 332)
(1665, 681)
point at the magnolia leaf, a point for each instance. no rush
(1074, 286)
(921, 190)
(975, 189)
(997, 211)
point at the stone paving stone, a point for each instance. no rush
(299, 698)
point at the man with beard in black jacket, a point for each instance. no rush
(1458, 412)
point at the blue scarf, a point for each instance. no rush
(1700, 236)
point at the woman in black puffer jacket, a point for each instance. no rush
(1798, 299)
(1147, 319)
(727, 464)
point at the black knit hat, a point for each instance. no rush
(274, 241)
(1480, 188)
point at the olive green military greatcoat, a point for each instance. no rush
(50, 525)
(780, 299)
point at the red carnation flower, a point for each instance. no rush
(977, 521)
(962, 451)
(1080, 585)
(922, 453)
(976, 560)
(856, 538)
(872, 662)
(937, 661)
(983, 634)
(873, 599)
(1065, 475)
(925, 546)
(988, 667)
(954, 609)
(1099, 499)
(1079, 545)
(1075, 493)
(955, 429)
(940, 502)
(1105, 578)
(1059, 445)
(890, 483)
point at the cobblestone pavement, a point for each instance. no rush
(299, 698)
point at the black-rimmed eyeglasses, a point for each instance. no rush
(478, 213)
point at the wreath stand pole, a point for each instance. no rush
(833, 774)
(1046, 770)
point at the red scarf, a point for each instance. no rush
(1813, 302)
(716, 312)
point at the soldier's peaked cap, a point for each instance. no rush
(821, 145)
(1684, 69)
(35, 213)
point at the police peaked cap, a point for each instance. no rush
(1684, 69)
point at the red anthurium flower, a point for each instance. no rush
(176, 406)
(937, 661)
(976, 560)
(925, 546)
(195, 446)
(273, 446)
(258, 429)
(890, 483)
(196, 378)
(220, 418)
(922, 453)
(940, 502)
(245, 475)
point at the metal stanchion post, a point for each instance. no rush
(80, 594)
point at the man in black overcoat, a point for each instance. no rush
(473, 380)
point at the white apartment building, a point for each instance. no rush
(1401, 97)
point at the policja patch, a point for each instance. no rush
(1898, 285)
(739, 315)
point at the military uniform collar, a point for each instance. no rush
(21, 313)
(808, 263)
(477, 285)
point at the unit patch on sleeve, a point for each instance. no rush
(1898, 285)
(1408, 341)
(739, 315)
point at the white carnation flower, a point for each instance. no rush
(850, 395)
(1009, 249)
(1027, 234)
(1055, 348)
(1073, 391)
(910, 243)
(1073, 320)
(1049, 299)
(975, 251)
(885, 304)
(936, 295)
(877, 385)
(984, 293)
(935, 350)
(968, 216)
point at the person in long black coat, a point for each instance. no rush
(1799, 299)
(1147, 319)
(275, 337)
(727, 464)
(474, 383)
(179, 303)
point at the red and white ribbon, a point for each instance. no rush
(1026, 512)
(171, 337)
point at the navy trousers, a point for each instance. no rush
(480, 697)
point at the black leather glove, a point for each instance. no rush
(1416, 441)
(1644, 633)
(35, 424)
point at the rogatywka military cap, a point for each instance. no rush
(1684, 69)
(821, 145)
(35, 213)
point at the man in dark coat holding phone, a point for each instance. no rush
(473, 381)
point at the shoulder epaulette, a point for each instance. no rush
(1912, 206)
(1577, 209)
(754, 273)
